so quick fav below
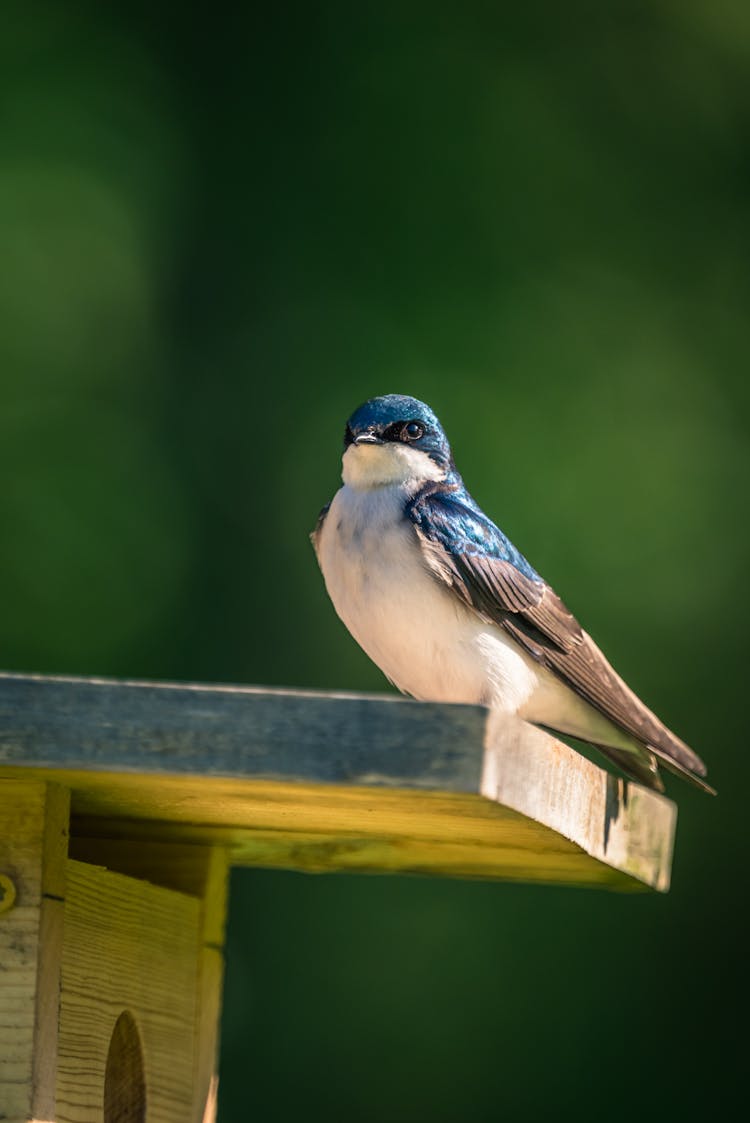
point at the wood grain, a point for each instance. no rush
(129, 946)
(33, 847)
(202, 871)
(323, 782)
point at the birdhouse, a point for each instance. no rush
(123, 805)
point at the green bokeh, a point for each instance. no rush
(220, 232)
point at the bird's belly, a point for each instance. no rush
(423, 638)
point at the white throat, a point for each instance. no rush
(369, 466)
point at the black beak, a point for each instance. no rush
(367, 439)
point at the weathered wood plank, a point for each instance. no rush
(227, 730)
(623, 824)
(312, 781)
(33, 848)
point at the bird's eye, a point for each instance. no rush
(413, 431)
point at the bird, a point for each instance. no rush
(446, 606)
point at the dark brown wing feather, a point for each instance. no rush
(532, 613)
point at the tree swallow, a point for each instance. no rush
(450, 611)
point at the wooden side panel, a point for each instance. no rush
(33, 848)
(621, 824)
(211, 967)
(129, 947)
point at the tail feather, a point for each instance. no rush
(645, 769)
(679, 769)
(641, 768)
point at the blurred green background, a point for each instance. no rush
(222, 229)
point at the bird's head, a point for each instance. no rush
(394, 440)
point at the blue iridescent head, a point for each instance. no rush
(402, 423)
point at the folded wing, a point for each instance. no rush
(466, 551)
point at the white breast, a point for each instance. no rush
(419, 633)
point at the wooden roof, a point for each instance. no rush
(316, 781)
